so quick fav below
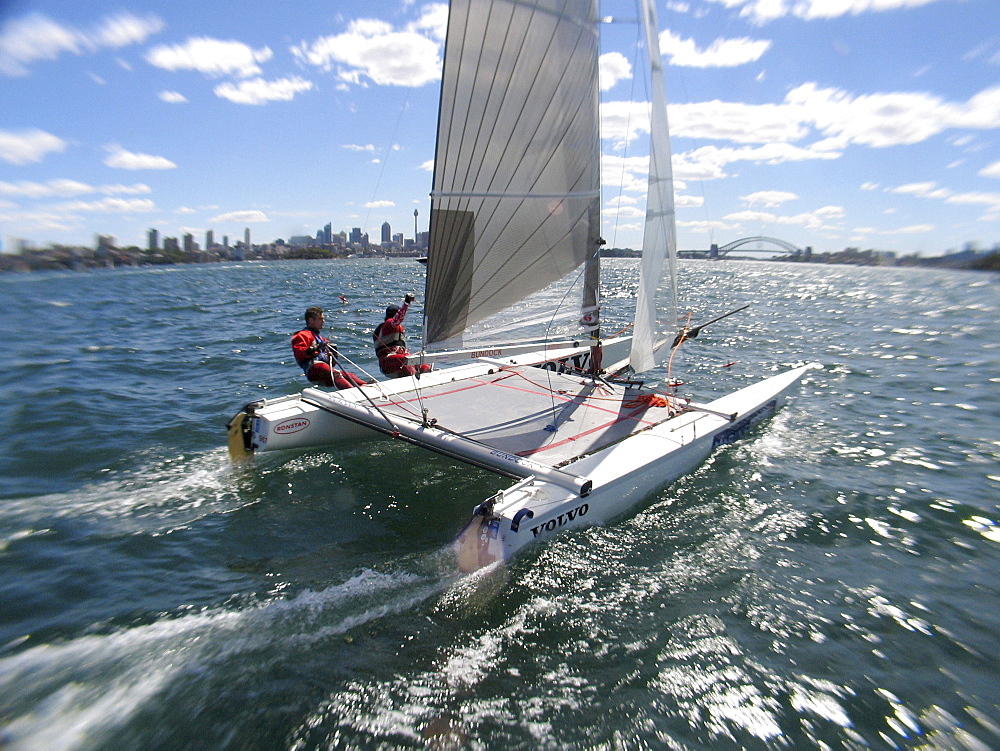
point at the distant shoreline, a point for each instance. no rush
(82, 259)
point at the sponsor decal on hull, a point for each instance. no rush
(744, 426)
(557, 521)
(291, 425)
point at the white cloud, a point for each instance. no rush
(241, 217)
(739, 122)
(990, 170)
(53, 188)
(709, 226)
(930, 190)
(763, 11)
(622, 200)
(378, 204)
(212, 57)
(63, 188)
(427, 166)
(119, 158)
(624, 212)
(924, 190)
(628, 173)
(36, 37)
(877, 120)
(110, 205)
(29, 39)
(433, 20)
(991, 200)
(622, 122)
(913, 229)
(769, 199)
(131, 190)
(371, 51)
(25, 146)
(709, 162)
(836, 117)
(125, 29)
(816, 220)
(358, 147)
(683, 201)
(722, 53)
(259, 91)
(613, 67)
(44, 221)
(172, 97)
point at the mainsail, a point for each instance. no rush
(516, 196)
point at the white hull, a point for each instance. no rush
(622, 475)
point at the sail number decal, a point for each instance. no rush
(570, 365)
(744, 426)
(291, 425)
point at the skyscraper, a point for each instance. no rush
(386, 233)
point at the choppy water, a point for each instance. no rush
(829, 582)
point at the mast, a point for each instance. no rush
(592, 288)
(592, 271)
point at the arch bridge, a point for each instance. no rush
(723, 250)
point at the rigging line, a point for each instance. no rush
(401, 401)
(569, 288)
(384, 161)
(672, 387)
(628, 120)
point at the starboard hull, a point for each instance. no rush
(547, 498)
(622, 475)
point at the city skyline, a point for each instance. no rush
(824, 123)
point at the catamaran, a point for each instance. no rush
(525, 384)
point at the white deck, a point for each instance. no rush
(533, 413)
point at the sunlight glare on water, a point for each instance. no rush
(829, 581)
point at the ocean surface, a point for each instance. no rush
(829, 582)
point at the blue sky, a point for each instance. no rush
(830, 123)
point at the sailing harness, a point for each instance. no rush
(389, 341)
(323, 351)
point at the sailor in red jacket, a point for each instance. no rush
(317, 356)
(390, 345)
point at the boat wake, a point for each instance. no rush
(157, 498)
(80, 692)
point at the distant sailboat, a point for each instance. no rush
(514, 227)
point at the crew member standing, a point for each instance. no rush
(390, 347)
(317, 356)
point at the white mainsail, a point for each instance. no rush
(516, 194)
